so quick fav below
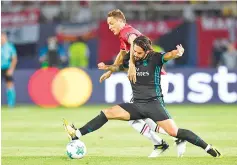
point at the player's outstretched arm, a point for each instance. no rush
(174, 53)
(112, 68)
(118, 61)
(119, 57)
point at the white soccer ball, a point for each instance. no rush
(76, 149)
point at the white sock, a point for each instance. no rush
(78, 133)
(151, 124)
(155, 138)
(155, 127)
(144, 129)
(161, 130)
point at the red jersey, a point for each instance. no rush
(124, 35)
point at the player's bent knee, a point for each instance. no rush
(9, 84)
(111, 113)
(169, 126)
(108, 113)
(172, 132)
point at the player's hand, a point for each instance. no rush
(9, 72)
(105, 76)
(102, 66)
(180, 50)
(132, 73)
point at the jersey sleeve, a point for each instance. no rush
(122, 44)
(130, 33)
(158, 58)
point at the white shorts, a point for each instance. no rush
(164, 84)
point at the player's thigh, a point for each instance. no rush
(133, 110)
(156, 111)
(116, 112)
(164, 84)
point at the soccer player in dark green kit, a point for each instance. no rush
(147, 96)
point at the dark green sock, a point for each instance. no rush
(94, 124)
(191, 138)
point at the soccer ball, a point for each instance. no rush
(76, 149)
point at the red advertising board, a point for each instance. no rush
(71, 31)
(22, 27)
(208, 30)
(15, 19)
(109, 44)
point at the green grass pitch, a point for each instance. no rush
(35, 136)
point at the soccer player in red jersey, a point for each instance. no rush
(127, 34)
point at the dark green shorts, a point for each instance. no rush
(154, 110)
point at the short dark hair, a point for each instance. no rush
(144, 42)
(116, 13)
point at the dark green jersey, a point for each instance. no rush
(148, 72)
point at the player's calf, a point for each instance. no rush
(91, 126)
(11, 94)
(115, 112)
(170, 127)
(196, 140)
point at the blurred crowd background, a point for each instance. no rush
(66, 35)
(74, 33)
